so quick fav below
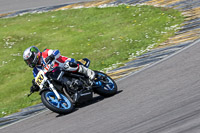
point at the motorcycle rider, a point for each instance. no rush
(36, 60)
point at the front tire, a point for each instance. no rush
(107, 86)
(50, 100)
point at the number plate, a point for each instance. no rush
(40, 79)
(82, 61)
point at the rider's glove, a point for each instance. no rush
(49, 58)
(34, 87)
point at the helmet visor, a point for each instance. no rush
(34, 49)
(30, 60)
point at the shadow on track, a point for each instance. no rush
(90, 102)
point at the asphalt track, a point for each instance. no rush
(163, 98)
(7, 6)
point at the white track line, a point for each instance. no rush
(179, 51)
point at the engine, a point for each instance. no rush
(73, 83)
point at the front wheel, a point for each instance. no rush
(106, 86)
(50, 100)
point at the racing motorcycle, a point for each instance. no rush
(61, 91)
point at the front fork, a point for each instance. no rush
(54, 90)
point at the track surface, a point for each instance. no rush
(164, 98)
(7, 6)
(161, 99)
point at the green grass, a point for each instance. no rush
(104, 35)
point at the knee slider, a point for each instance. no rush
(72, 64)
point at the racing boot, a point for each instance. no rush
(88, 72)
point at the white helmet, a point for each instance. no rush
(31, 56)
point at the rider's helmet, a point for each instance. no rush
(31, 56)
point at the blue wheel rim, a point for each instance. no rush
(109, 86)
(52, 99)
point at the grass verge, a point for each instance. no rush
(106, 36)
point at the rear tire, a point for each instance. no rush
(104, 89)
(49, 99)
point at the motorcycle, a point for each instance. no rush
(61, 91)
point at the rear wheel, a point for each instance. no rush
(50, 100)
(107, 86)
